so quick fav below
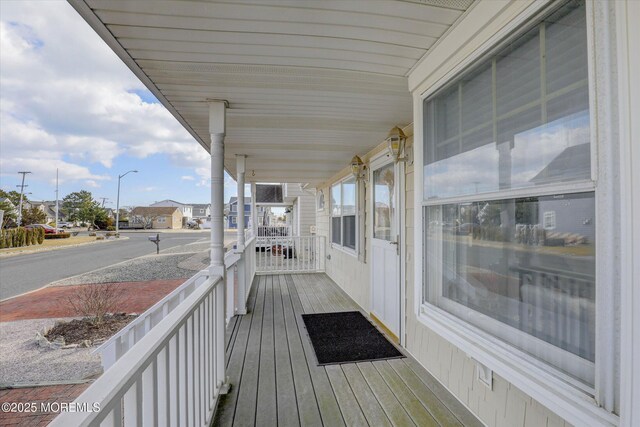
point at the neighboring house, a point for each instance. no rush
(232, 216)
(201, 211)
(187, 210)
(158, 217)
(48, 207)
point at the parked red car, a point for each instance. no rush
(47, 228)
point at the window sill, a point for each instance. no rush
(347, 251)
(565, 400)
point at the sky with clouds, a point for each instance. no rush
(68, 103)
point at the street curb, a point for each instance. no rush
(57, 248)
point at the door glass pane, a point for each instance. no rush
(384, 209)
(528, 263)
(518, 119)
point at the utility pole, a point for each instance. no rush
(57, 207)
(22, 187)
(104, 199)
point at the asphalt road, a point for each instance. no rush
(24, 273)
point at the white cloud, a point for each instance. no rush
(187, 178)
(67, 101)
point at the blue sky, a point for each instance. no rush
(68, 103)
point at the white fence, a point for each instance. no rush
(274, 231)
(240, 270)
(173, 377)
(291, 254)
(116, 346)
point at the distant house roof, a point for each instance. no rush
(155, 210)
(234, 200)
(569, 162)
(169, 200)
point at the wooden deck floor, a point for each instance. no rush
(275, 379)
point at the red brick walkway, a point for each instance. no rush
(53, 301)
(37, 395)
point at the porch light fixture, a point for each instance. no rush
(358, 168)
(396, 145)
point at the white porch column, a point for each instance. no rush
(217, 129)
(254, 212)
(240, 161)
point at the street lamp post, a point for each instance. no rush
(118, 201)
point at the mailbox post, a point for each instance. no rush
(156, 240)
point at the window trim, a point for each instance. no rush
(345, 249)
(564, 399)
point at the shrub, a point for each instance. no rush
(40, 235)
(57, 236)
(17, 237)
(111, 228)
(95, 301)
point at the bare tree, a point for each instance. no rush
(95, 301)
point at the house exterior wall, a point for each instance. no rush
(187, 210)
(173, 221)
(507, 404)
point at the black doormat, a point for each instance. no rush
(347, 337)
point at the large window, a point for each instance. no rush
(343, 213)
(509, 205)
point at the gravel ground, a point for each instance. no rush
(196, 262)
(22, 361)
(151, 267)
(199, 246)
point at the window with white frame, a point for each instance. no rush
(508, 197)
(343, 213)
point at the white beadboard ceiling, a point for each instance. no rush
(309, 83)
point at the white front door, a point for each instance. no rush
(385, 257)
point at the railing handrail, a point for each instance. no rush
(110, 388)
(290, 254)
(151, 310)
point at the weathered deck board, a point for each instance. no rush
(266, 413)
(329, 409)
(227, 404)
(286, 391)
(394, 410)
(275, 378)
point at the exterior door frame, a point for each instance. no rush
(399, 171)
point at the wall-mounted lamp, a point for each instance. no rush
(396, 146)
(359, 169)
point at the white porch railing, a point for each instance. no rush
(240, 270)
(274, 231)
(116, 346)
(173, 377)
(292, 254)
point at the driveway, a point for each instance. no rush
(24, 273)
